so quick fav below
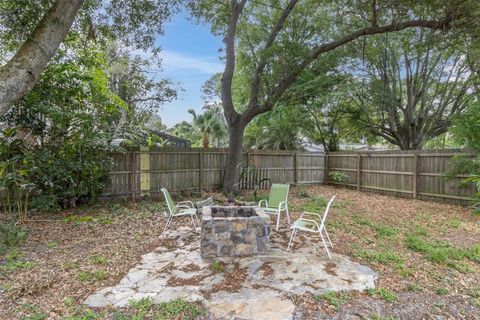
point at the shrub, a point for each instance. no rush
(12, 235)
(338, 177)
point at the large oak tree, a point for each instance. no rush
(268, 44)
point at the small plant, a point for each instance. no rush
(441, 291)
(13, 262)
(441, 252)
(336, 299)
(384, 257)
(99, 259)
(68, 301)
(12, 235)
(179, 309)
(301, 192)
(52, 245)
(385, 294)
(217, 266)
(413, 287)
(92, 276)
(338, 177)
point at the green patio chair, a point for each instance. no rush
(314, 224)
(183, 208)
(277, 202)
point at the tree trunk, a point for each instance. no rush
(235, 150)
(20, 74)
(205, 141)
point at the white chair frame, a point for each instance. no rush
(319, 228)
(182, 208)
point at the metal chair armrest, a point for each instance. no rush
(188, 203)
(311, 214)
(310, 220)
(263, 201)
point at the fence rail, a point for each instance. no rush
(146, 171)
(417, 174)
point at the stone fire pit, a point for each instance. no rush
(234, 231)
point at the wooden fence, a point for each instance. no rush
(417, 174)
(146, 171)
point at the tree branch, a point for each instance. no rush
(20, 74)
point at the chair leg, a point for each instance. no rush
(292, 238)
(168, 223)
(278, 220)
(193, 221)
(325, 245)
(288, 214)
(328, 237)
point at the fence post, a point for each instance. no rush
(359, 171)
(133, 186)
(200, 170)
(325, 169)
(295, 168)
(144, 171)
(415, 174)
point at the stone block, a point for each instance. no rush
(244, 249)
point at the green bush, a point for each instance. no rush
(338, 177)
(12, 235)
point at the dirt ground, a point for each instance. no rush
(427, 255)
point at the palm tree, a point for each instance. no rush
(209, 125)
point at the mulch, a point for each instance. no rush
(59, 251)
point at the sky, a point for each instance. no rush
(190, 57)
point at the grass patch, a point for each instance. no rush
(99, 259)
(385, 294)
(13, 262)
(386, 256)
(92, 276)
(87, 219)
(336, 299)
(413, 287)
(175, 309)
(381, 231)
(441, 252)
(316, 205)
(217, 266)
(441, 291)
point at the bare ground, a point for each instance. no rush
(70, 255)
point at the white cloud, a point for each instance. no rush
(172, 61)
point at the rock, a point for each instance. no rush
(97, 300)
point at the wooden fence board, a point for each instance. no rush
(418, 174)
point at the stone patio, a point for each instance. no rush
(255, 287)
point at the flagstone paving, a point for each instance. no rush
(257, 287)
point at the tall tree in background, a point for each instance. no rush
(33, 31)
(129, 78)
(270, 45)
(414, 86)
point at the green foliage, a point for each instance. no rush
(99, 259)
(92, 276)
(385, 294)
(386, 256)
(441, 291)
(87, 219)
(12, 235)
(14, 261)
(441, 252)
(217, 266)
(338, 177)
(336, 299)
(413, 287)
(316, 205)
(15, 166)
